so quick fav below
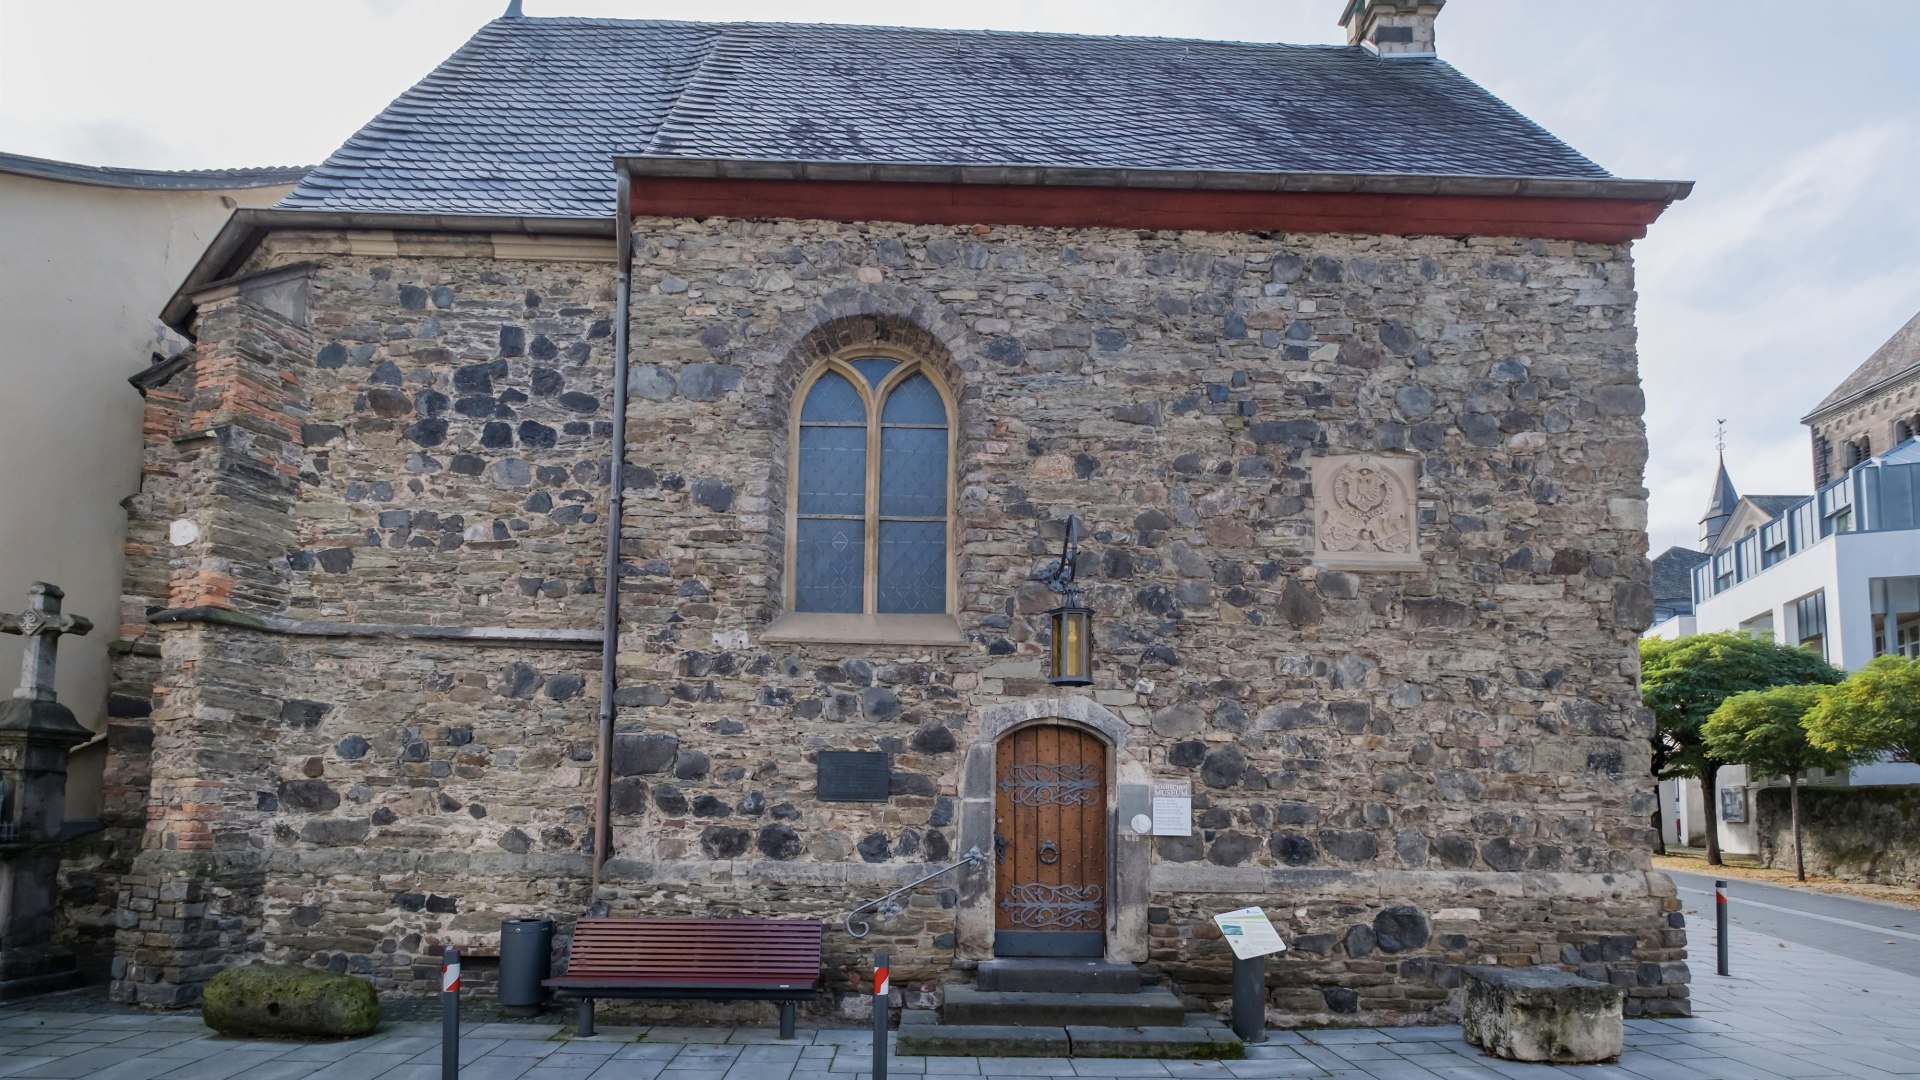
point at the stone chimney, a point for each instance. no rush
(1392, 27)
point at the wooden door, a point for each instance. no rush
(1050, 843)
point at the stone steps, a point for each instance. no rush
(1198, 1037)
(1062, 975)
(967, 1005)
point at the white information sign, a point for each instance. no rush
(1172, 808)
(1250, 933)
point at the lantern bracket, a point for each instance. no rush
(1058, 575)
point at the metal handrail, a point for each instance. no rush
(885, 904)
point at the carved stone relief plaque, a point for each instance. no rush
(1366, 513)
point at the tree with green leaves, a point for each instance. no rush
(1683, 680)
(1876, 711)
(1764, 730)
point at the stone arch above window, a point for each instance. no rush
(875, 341)
(870, 511)
(1858, 450)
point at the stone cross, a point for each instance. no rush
(41, 624)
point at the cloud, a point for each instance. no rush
(1757, 300)
(1806, 196)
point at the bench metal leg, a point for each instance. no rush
(584, 1026)
(786, 1019)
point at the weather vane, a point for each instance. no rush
(1720, 435)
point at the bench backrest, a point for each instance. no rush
(705, 949)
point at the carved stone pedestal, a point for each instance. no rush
(35, 737)
(36, 733)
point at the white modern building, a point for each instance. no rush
(1837, 572)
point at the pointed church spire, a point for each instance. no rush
(1725, 498)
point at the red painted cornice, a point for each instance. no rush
(1607, 220)
(1623, 214)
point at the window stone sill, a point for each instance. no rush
(838, 629)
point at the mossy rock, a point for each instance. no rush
(277, 999)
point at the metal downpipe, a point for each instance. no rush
(616, 504)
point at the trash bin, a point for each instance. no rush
(526, 961)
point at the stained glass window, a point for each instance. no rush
(875, 368)
(913, 567)
(913, 499)
(906, 517)
(830, 541)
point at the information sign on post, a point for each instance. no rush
(1249, 933)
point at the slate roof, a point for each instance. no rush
(1673, 573)
(151, 179)
(527, 115)
(1775, 505)
(1899, 356)
(1724, 498)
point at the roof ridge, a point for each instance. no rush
(724, 26)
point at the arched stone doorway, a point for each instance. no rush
(1050, 842)
(1123, 793)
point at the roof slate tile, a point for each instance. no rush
(528, 114)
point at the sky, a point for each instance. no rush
(1797, 255)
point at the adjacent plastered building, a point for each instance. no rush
(91, 253)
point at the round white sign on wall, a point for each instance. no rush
(1142, 823)
(183, 532)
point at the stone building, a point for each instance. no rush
(1873, 410)
(815, 370)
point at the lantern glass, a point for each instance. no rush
(1072, 659)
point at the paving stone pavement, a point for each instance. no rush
(1787, 1012)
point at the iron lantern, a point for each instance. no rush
(1070, 661)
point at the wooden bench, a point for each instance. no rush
(702, 959)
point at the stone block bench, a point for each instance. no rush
(1541, 1014)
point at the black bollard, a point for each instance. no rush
(1720, 918)
(882, 985)
(450, 1015)
(1250, 998)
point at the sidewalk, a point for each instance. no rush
(1788, 1012)
(1748, 868)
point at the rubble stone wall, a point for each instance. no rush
(1412, 769)
(1859, 834)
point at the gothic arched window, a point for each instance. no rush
(1858, 450)
(872, 481)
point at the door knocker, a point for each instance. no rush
(1049, 854)
(999, 848)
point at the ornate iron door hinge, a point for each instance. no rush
(1034, 906)
(1050, 785)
